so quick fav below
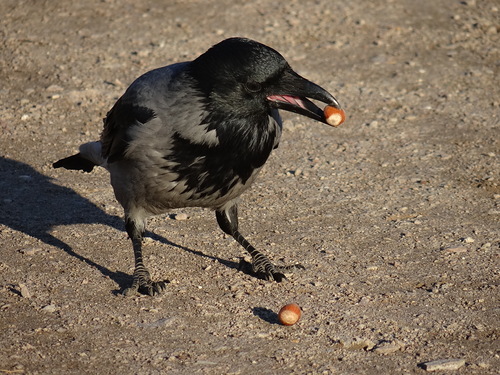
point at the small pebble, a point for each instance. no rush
(49, 308)
(443, 364)
(486, 246)
(455, 250)
(356, 343)
(163, 322)
(23, 289)
(30, 250)
(181, 217)
(54, 88)
(148, 240)
(387, 347)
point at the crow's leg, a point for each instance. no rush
(261, 266)
(142, 281)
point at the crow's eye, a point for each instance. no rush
(253, 86)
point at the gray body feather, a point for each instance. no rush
(143, 177)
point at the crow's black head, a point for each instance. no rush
(249, 79)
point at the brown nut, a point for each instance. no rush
(334, 116)
(289, 314)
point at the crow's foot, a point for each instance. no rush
(262, 268)
(142, 284)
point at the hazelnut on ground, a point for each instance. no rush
(289, 314)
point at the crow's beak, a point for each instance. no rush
(292, 93)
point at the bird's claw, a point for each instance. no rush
(266, 271)
(142, 284)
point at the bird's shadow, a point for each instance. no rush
(31, 203)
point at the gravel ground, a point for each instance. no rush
(395, 214)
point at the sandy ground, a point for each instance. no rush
(395, 214)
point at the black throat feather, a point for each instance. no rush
(244, 146)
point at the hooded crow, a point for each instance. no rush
(196, 134)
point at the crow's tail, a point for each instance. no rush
(75, 162)
(88, 157)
